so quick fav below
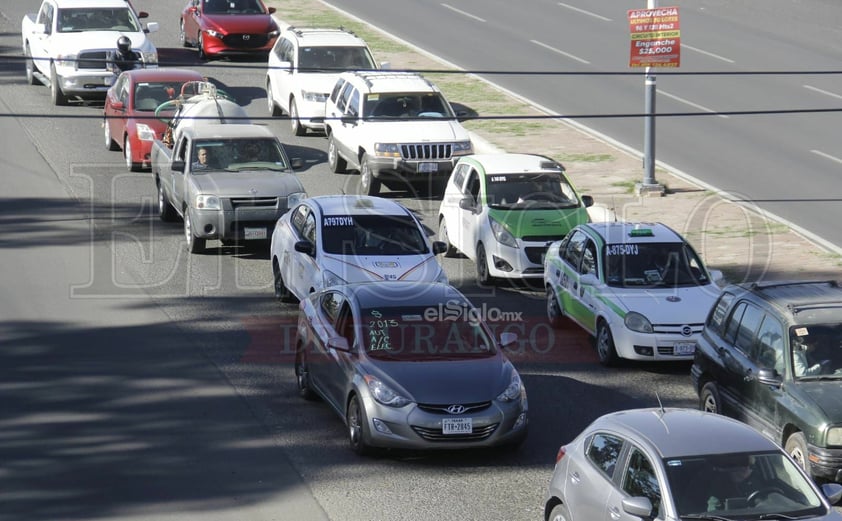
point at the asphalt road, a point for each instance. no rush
(787, 164)
(139, 382)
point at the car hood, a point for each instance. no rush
(825, 394)
(352, 268)
(71, 42)
(248, 183)
(322, 82)
(683, 305)
(430, 130)
(540, 222)
(445, 382)
(240, 23)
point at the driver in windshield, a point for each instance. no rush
(732, 483)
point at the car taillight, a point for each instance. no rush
(561, 452)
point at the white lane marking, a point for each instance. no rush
(821, 91)
(826, 156)
(584, 12)
(700, 51)
(559, 51)
(686, 102)
(463, 13)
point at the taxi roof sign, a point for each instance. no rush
(641, 232)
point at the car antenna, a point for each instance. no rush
(660, 404)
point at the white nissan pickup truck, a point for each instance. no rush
(70, 45)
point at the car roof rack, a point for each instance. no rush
(368, 76)
(299, 31)
(782, 284)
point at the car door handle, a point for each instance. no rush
(575, 478)
(614, 512)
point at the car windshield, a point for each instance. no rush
(240, 154)
(406, 105)
(530, 191)
(372, 235)
(97, 19)
(335, 58)
(816, 351)
(233, 7)
(447, 331)
(148, 96)
(740, 486)
(667, 264)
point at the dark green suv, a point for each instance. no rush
(770, 355)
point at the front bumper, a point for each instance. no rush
(77, 83)
(825, 463)
(411, 170)
(310, 110)
(525, 262)
(414, 427)
(237, 44)
(671, 347)
(235, 225)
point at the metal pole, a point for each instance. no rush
(649, 128)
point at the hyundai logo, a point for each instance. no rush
(246, 36)
(686, 330)
(456, 409)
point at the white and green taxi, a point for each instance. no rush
(639, 288)
(503, 210)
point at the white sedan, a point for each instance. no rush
(337, 239)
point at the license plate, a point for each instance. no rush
(457, 426)
(428, 167)
(251, 234)
(684, 348)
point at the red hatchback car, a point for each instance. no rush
(129, 113)
(227, 27)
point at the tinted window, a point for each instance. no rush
(604, 451)
(575, 248)
(733, 324)
(769, 352)
(748, 327)
(716, 319)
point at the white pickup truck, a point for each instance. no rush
(70, 45)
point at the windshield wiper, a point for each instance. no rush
(709, 517)
(784, 516)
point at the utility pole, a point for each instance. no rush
(649, 186)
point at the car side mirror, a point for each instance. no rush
(467, 203)
(348, 120)
(152, 27)
(439, 247)
(296, 163)
(177, 166)
(832, 491)
(272, 10)
(142, 14)
(769, 377)
(587, 200)
(588, 280)
(461, 115)
(716, 276)
(39, 28)
(305, 247)
(192, 9)
(118, 105)
(508, 338)
(285, 66)
(385, 66)
(338, 343)
(638, 506)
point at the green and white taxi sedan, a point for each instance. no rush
(503, 210)
(639, 288)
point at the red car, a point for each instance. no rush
(226, 27)
(129, 113)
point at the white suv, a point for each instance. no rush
(394, 128)
(304, 65)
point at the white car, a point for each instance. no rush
(639, 288)
(303, 67)
(337, 239)
(503, 210)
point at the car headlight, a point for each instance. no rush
(215, 34)
(320, 97)
(462, 148)
(514, 389)
(330, 278)
(387, 149)
(384, 394)
(834, 436)
(145, 132)
(66, 60)
(149, 57)
(294, 198)
(637, 322)
(207, 202)
(502, 234)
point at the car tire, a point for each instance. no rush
(302, 375)
(357, 427)
(709, 400)
(605, 349)
(274, 110)
(282, 292)
(127, 154)
(56, 95)
(335, 162)
(165, 210)
(110, 144)
(450, 251)
(194, 244)
(796, 447)
(30, 68)
(484, 277)
(369, 185)
(294, 122)
(555, 313)
(559, 513)
(182, 37)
